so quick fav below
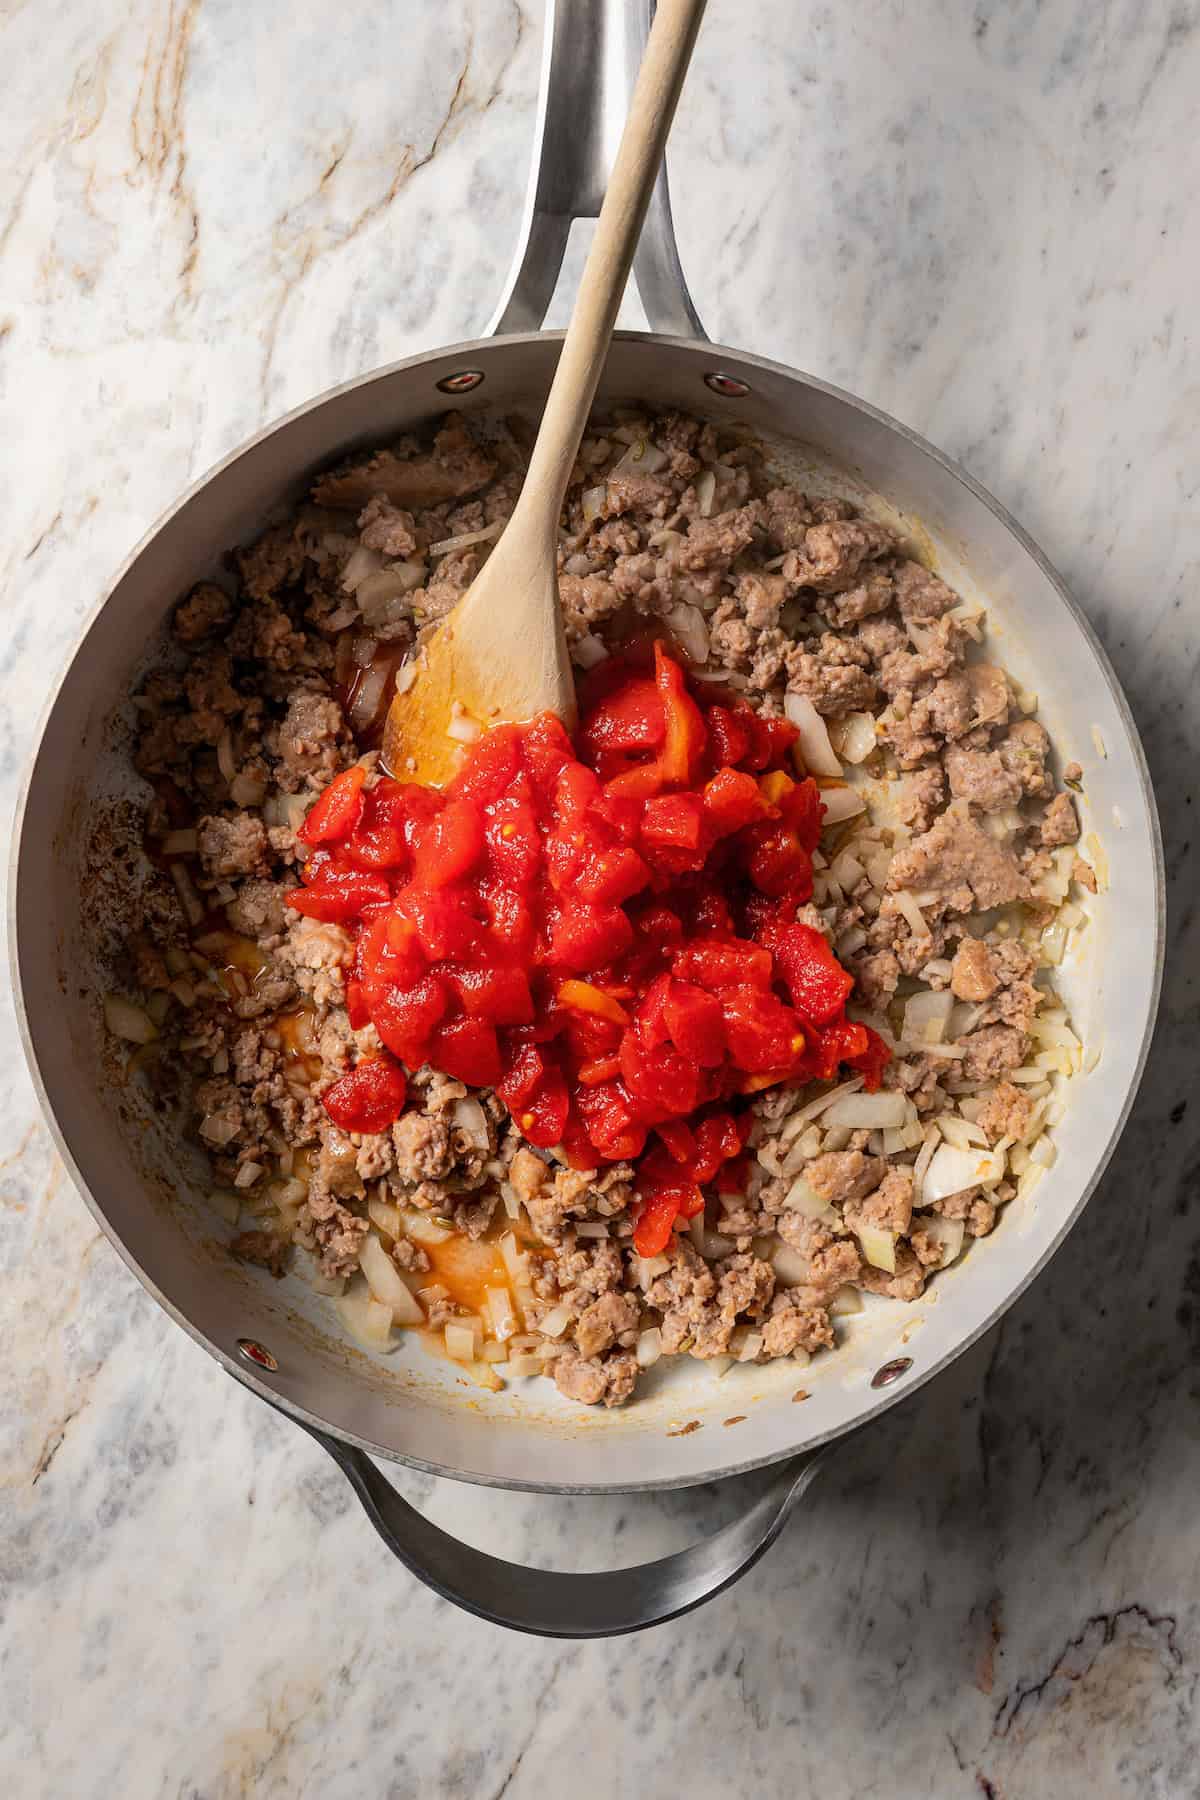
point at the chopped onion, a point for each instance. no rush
(364, 1317)
(947, 1233)
(247, 1175)
(910, 912)
(516, 1261)
(519, 1367)
(649, 1347)
(471, 1121)
(962, 1133)
(641, 458)
(587, 651)
(805, 1200)
(952, 1171)
(462, 727)
(368, 696)
(791, 1268)
(847, 1300)
(361, 563)
(822, 1104)
(878, 1246)
(226, 761)
(556, 1321)
(813, 744)
(386, 1218)
(498, 1307)
(338, 621)
(840, 803)
(751, 1346)
(464, 539)
(421, 1228)
(594, 499)
(858, 737)
(127, 1021)
(866, 1112)
(687, 622)
(217, 1130)
(406, 674)
(188, 897)
(383, 1279)
(1044, 1153)
(379, 593)
(706, 489)
(926, 1015)
(460, 1343)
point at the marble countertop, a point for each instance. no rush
(982, 219)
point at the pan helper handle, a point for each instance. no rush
(590, 57)
(548, 1604)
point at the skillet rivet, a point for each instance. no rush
(253, 1352)
(728, 385)
(462, 383)
(891, 1371)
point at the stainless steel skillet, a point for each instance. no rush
(131, 1166)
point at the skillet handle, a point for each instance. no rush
(550, 1604)
(590, 57)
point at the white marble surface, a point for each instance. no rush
(985, 220)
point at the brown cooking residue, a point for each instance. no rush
(682, 1430)
(801, 1394)
(735, 1420)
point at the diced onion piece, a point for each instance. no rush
(813, 745)
(1044, 1153)
(471, 1121)
(910, 912)
(127, 1021)
(247, 1175)
(706, 490)
(368, 696)
(247, 789)
(464, 539)
(225, 757)
(687, 622)
(499, 1308)
(750, 1346)
(926, 1015)
(593, 503)
(362, 650)
(641, 458)
(365, 1317)
(460, 1342)
(556, 1321)
(951, 1171)
(948, 1234)
(520, 1367)
(421, 1228)
(847, 871)
(462, 727)
(386, 1218)
(790, 1266)
(340, 618)
(804, 1199)
(847, 1300)
(858, 737)
(516, 1260)
(866, 1112)
(816, 1107)
(840, 803)
(649, 1347)
(383, 1279)
(587, 651)
(360, 563)
(188, 897)
(878, 1246)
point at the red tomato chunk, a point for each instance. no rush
(608, 939)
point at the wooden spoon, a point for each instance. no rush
(502, 653)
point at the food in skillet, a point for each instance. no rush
(673, 1039)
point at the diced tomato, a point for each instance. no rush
(585, 997)
(498, 994)
(685, 737)
(610, 877)
(389, 954)
(626, 725)
(732, 799)
(543, 1116)
(611, 1124)
(525, 1069)
(816, 981)
(336, 813)
(338, 895)
(467, 1049)
(732, 1176)
(357, 1010)
(575, 791)
(716, 963)
(379, 839)
(587, 937)
(729, 734)
(770, 740)
(679, 1140)
(676, 820)
(406, 1017)
(490, 765)
(449, 846)
(445, 923)
(662, 1082)
(718, 1138)
(695, 1023)
(761, 1031)
(872, 1060)
(545, 749)
(514, 842)
(370, 1098)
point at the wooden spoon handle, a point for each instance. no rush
(643, 143)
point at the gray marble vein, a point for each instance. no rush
(983, 219)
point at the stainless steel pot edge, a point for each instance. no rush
(726, 357)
